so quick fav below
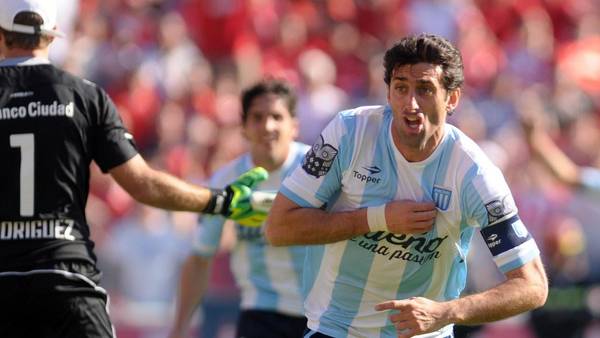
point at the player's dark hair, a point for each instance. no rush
(269, 86)
(426, 48)
(24, 40)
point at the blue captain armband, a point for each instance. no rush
(510, 243)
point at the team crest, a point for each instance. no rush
(441, 197)
(319, 158)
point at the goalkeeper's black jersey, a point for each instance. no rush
(52, 125)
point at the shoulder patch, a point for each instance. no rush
(498, 209)
(319, 158)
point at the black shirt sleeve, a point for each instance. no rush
(113, 145)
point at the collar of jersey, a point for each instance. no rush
(24, 61)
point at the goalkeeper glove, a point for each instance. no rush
(234, 202)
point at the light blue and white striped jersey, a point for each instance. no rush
(269, 277)
(355, 165)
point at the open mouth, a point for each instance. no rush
(414, 122)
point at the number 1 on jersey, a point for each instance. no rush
(27, 145)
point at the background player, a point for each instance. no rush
(269, 277)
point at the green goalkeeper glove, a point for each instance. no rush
(234, 202)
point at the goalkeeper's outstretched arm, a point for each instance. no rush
(162, 190)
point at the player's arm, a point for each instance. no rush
(559, 164)
(115, 152)
(290, 224)
(157, 188)
(162, 190)
(544, 149)
(193, 281)
(526, 288)
(516, 254)
(486, 200)
(195, 270)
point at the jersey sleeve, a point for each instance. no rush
(207, 235)
(112, 144)
(489, 204)
(318, 178)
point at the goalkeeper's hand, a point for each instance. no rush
(234, 202)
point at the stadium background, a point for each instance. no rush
(175, 69)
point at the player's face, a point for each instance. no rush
(420, 105)
(270, 129)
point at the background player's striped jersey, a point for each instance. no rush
(355, 164)
(269, 277)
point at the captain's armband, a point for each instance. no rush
(510, 243)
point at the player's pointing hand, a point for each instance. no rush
(416, 315)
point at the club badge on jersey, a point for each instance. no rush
(441, 197)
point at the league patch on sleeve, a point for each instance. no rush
(498, 209)
(319, 158)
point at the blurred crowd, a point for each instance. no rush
(175, 69)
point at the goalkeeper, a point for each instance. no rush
(48, 273)
(268, 277)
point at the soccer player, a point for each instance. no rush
(52, 125)
(269, 277)
(388, 267)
